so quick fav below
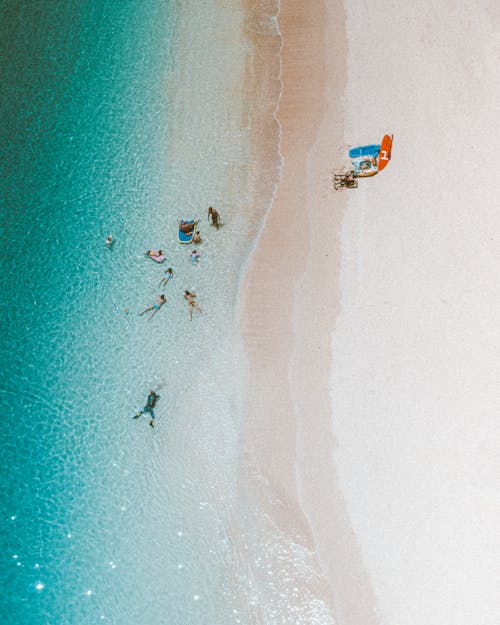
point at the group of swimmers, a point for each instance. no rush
(189, 296)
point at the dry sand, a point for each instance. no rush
(378, 448)
(415, 382)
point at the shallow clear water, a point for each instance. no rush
(103, 518)
(121, 118)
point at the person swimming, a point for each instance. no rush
(190, 298)
(151, 402)
(109, 241)
(155, 307)
(169, 274)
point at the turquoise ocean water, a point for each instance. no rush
(119, 117)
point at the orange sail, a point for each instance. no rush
(385, 152)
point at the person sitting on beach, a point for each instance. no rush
(195, 257)
(169, 274)
(189, 297)
(151, 402)
(212, 213)
(197, 237)
(156, 306)
(185, 227)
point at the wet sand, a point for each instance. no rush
(290, 300)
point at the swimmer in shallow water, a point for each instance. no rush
(151, 402)
(169, 274)
(109, 241)
(190, 299)
(155, 307)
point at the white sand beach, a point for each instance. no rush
(415, 383)
(371, 418)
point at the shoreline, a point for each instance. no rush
(288, 440)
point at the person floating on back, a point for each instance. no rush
(155, 307)
(214, 216)
(151, 402)
(190, 299)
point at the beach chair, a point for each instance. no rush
(344, 180)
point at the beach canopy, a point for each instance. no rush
(385, 152)
(364, 150)
(368, 160)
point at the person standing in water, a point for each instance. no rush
(169, 274)
(109, 241)
(156, 306)
(190, 299)
(214, 215)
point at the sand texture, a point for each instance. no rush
(370, 316)
(290, 300)
(416, 347)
